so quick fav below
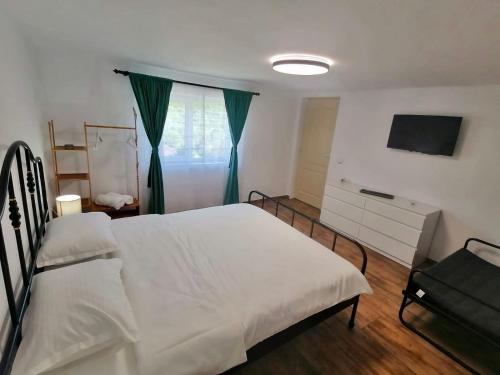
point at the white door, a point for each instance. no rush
(318, 126)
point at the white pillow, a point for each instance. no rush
(77, 237)
(74, 311)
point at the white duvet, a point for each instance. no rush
(207, 285)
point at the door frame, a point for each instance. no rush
(298, 140)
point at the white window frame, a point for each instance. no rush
(189, 106)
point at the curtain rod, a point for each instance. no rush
(126, 73)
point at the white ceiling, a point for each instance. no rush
(375, 43)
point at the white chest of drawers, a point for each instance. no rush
(398, 228)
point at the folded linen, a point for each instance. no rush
(114, 200)
(128, 198)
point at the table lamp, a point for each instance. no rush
(68, 205)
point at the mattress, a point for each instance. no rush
(207, 285)
(473, 276)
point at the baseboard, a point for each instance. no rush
(277, 197)
(286, 196)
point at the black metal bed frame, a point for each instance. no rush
(34, 187)
(286, 335)
(410, 296)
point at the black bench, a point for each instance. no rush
(463, 288)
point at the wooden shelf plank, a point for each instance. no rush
(72, 176)
(64, 148)
(127, 207)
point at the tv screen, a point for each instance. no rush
(435, 135)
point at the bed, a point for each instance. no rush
(210, 288)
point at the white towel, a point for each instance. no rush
(128, 198)
(114, 200)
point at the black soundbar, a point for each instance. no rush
(377, 193)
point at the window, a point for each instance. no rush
(196, 130)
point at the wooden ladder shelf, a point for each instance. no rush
(87, 202)
(59, 176)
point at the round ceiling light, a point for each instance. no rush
(305, 65)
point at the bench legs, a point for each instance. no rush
(438, 346)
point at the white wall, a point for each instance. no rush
(20, 119)
(80, 86)
(20, 108)
(466, 186)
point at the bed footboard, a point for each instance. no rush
(314, 222)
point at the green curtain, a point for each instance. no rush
(153, 95)
(237, 104)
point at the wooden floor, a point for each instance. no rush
(378, 344)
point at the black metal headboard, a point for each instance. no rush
(31, 185)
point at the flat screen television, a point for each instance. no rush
(435, 135)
